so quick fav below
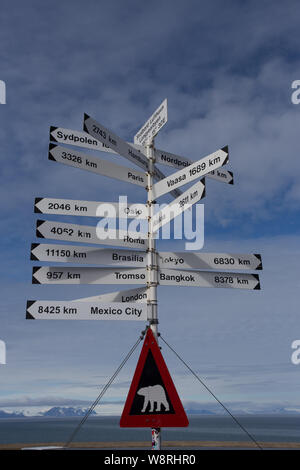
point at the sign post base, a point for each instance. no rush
(156, 439)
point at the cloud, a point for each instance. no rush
(226, 73)
(42, 401)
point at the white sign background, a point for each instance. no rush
(153, 125)
(72, 310)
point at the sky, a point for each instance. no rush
(226, 70)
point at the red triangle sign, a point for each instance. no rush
(152, 401)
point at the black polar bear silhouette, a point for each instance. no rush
(154, 394)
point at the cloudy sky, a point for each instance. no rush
(226, 69)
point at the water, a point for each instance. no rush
(106, 429)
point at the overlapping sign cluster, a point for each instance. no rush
(131, 256)
(127, 264)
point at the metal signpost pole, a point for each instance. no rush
(152, 269)
(145, 266)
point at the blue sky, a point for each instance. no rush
(227, 74)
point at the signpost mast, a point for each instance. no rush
(152, 400)
(152, 268)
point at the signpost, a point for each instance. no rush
(48, 205)
(159, 175)
(96, 165)
(132, 257)
(83, 139)
(87, 255)
(86, 234)
(156, 121)
(184, 260)
(53, 310)
(130, 295)
(176, 161)
(192, 172)
(170, 159)
(77, 138)
(221, 175)
(62, 275)
(183, 202)
(170, 277)
(107, 137)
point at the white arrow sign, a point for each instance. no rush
(61, 310)
(183, 202)
(87, 255)
(176, 161)
(77, 138)
(107, 137)
(149, 130)
(47, 205)
(170, 277)
(170, 159)
(183, 260)
(96, 165)
(62, 275)
(131, 295)
(192, 172)
(159, 175)
(87, 234)
(83, 139)
(223, 176)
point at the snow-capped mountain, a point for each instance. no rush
(60, 411)
(55, 411)
(8, 414)
(192, 408)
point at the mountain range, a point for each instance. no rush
(56, 411)
(67, 412)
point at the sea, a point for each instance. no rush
(264, 428)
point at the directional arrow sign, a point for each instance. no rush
(107, 137)
(221, 175)
(62, 275)
(192, 172)
(47, 205)
(170, 159)
(60, 310)
(169, 277)
(82, 139)
(183, 260)
(77, 138)
(124, 296)
(159, 175)
(87, 234)
(176, 161)
(183, 202)
(96, 165)
(87, 255)
(149, 130)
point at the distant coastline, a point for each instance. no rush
(204, 431)
(180, 445)
(69, 412)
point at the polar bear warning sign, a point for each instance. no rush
(152, 400)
